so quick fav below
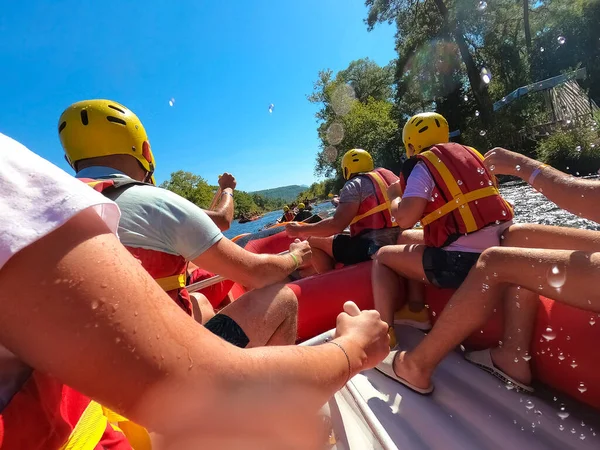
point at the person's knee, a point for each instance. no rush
(516, 235)
(489, 258)
(202, 309)
(287, 301)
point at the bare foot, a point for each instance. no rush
(504, 359)
(404, 367)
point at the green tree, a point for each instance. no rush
(191, 187)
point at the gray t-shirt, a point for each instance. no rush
(158, 219)
(357, 189)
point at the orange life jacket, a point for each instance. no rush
(169, 271)
(47, 415)
(374, 212)
(465, 196)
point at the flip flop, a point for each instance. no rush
(386, 367)
(483, 359)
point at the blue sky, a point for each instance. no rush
(222, 62)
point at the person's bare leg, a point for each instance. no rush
(412, 236)
(322, 254)
(391, 265)
(201, 308)
(521, 305)
(563, 274)
(520, 311)
(268, 316)
(529, 235)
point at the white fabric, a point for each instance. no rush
(157, 219)
(36, 198)
(420, 184)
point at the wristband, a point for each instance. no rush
(536, 173)
(295, 261)
(228, 193)
(347, 359)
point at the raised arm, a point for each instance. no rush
(575, 195)
(222, 214)
(94, 319)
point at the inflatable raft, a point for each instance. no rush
(567, 359)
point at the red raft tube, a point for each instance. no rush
(567, 357)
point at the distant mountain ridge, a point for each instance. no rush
(287, 193)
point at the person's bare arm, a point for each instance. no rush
(251, 270)
(408, 211)
(343, 216)
(575, 195)
(94, 319)
(222, 214)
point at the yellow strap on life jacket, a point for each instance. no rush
(136, 435)
(379, 208)
(171, 283)
(455, 192)
(458, 202)
(89, 429)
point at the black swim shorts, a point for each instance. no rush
(353, 250)
(227, 328)
(445, 269)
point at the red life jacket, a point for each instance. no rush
(47, 415)
(169, 271)
(374, 212)
(465, 196)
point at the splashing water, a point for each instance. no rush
(549, 334)
(561, 40)
(578, 148)
(556, 277)
(486, 75)
(476, 113)
(172, 102)
(482, 5)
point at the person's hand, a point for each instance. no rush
(394, 190)
(500, 161)
(302, 251)
(294, 229)
(367, 331)
(227, 181)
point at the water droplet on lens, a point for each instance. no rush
(556, 277)
(518, 167)
(549, 334)
(516, 360)
(529, 405)
(95, 304)
(592, 321)
(582, 436)
(330, 153)
(561, 427)
(476, 113)
(526, 356)
(465, 98)
(172, 102)
(578, 148)
(582, 387)
(482, 5)
(561, 357)
(117, 340)
(104, 285)
(335, 133)
(561, 40)
(482, 133)
(542, 49)
(486, 75)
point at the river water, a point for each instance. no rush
(530, 207)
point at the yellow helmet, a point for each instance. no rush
(424, 130)
(94, 128)
(286, 208)
(356, 161)
(301, 206)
